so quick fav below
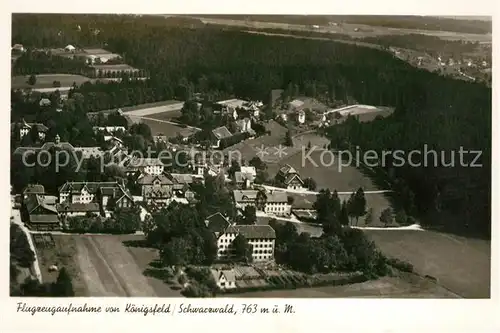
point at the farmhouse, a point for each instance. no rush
(277, 204)
(287, 177)
(39, 213)
(24, 128)
(225, 279)
(261, 237)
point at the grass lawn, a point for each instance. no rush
(46, 80)
(145, 258)
(63, 254)
(169, 115)
(326, 172)
(462, 265)
(167, 129)
(314, 231)
(249, 148)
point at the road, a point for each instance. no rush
(16, 214)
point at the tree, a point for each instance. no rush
(290, 200)
(386, 216)
(235, 166)
(288, 139)
(261, 199)
(369, 216)
(249, 216)
(357, 204)
(257, 163)
(56, 84)
(63, 287)
(32, 80)
(344, 214)
(242, 249)
(310, 184)
(401, 217)
(176, 252)
(128, 219)
(309, 145)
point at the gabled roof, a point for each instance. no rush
(286, 169)
(217, 223)
(244, 195)
(33, 201)
(291, 176)
(151, 192)
(34, 189)
(253, 231)
(276, 197)
(181, 178)
(150, 179)
(221, 133)
(44, 218)
(241, 177)
(143, 162)
(92, 187)
(229, 275)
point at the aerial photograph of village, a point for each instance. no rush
(285, 156)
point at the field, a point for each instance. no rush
(250, 148)
(159, 127)
(103, 266)
(350, 29)
(459, 264)
(46, 80)
(387, 287)
(326, 172)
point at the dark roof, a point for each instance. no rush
(161, 192)
(49, 218)
(32, 201)
(77, 207)
(221, 133)
(34, 189)
(40, 127)
(92, 187)
(276, 197)
(288, 179)
(243, 195)
(217, 223)
(253, 231)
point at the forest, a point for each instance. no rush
(432, 110)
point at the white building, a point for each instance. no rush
(243, 198)
(277, 204)
(69, 48)
(151, 166)
(261, 237)
(301, 117)
(225, 279)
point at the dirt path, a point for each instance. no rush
(108, 269)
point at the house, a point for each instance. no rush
(40, 214)
(70, 48)
(155, 187)
(152, 166)
(301, 117)
(289, 178)
(100, 192)
(295, 105)
(109, 130)
(261, 237)
(225, 279)
(218, 134)
(18, 48)
(244, 125)
(24, 128)
(88, 152)
(244, 198)
(249, 170)
(68, 209)
(34, 189)
(277, 203)
(45, 102)
(243, 180)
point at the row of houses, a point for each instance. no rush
(44, 212)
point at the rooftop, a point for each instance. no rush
(222, 133)
(217, 223)
(244, 195)
(253, 231)
(78, 207)
(276, 197)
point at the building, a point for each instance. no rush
(289, 178)
(217, 223)
(249, 170)
(39, 213)
(243, 180)
(155, 188)
(244, 198)
(301, 117)
(68, 209)
(24, 128)
(70, 48)
(245, 126)
(103, 193)
(261, 237)
(109, 130)
(18, 48)
(277, 204)
(219, 134)
(225, 279)
(152, 166)
(34, 189)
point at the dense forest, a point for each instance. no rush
(443, 113)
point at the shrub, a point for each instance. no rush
(400, 264)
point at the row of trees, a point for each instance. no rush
(122, 221)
